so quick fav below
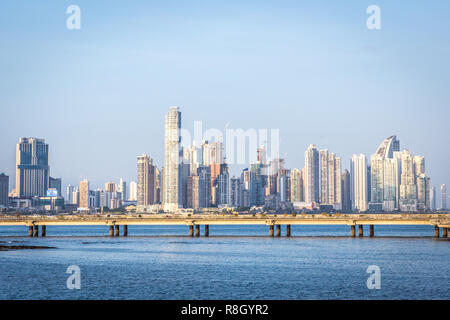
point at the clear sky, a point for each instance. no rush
(98, 95)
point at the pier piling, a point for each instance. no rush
(36, 231)
(43, 231)
(30, 231)
(352, 231)
(271, 230)
(444, 232)
(436, 231)
(111, 231)
(197, 230)
(288, 230)
(117, 233)
(372, 232)
(278, 230)
(125, 230)
(207, 230)
(360, 230)
(191, 230)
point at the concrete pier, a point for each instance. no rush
(117, 232)
(278, 230)
(30, 231)
(288, 230)
(207, 230)
(197, 230)
(444, 232)
(372, 231)
(436, 231)
(191, 230)
(360, 230)
(125, 230)
(352, 231)
(43, 231)
(111, 231)
(271, 230)
(36, 231)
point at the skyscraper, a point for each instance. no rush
(358, 169)
(146, 181)
(297, 194)
(123, 190)
(56, 183)
(330, 177)
(408, 188)
(32, 169)
(312, 191)
(84, 195)
(69, 194)
(443, 197)
(345, 190)
(110, 187)
(133, 191)
(433, 198)
(4, 190)
(172, 197)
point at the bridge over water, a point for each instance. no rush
(194, 222)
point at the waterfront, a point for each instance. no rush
(317, 262)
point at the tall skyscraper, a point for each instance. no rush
(423, 192)
(4, 190)
(110, 187)
(312, 176)
(133, 191)
(84, 195)
(235, 192)
(146, 181)
(408, 188)
(297, 193)
(212, 153)
(433, 205)
(172, 198)
(345, 191)
(330, 177)
(204, 186)
(56, 183)
(443, 197)
(358, 169)
(123, 190)
(32, 169)
(69, 194)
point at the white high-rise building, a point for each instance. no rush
(69, 196)
(312, 191)
(330, 178)
(133, 191)
(172, 196)
(123, 190)
(358, 186)
(443, 197)
(433, 204)
(408, 187)
(297, 194)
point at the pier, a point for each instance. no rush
(195, 223)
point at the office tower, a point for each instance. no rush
(146, 181)
(312, 191)
(223, 188)
(358, 186)
(133, 191)
(204, 186)
(193, 192)
(212, 153)
(123, 190)
(84, 195)
(158, 184)
(110, 187)
(376, 180)
(443, 197)
(55, 183)
(195, 158)
(297, 186)
(433, 204)
(408, 188)
(345, 191)
(391, 180)
(330, 178)
(4, 190)
(262, 155)
(32, 169)
(69, 194)
(258, 169)
(235, 192)
(76, 197)
(423, 192)
(172, 197)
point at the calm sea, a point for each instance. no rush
(235, 262)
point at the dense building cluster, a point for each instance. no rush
(197, 178)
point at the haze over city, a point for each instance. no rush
(98, 95)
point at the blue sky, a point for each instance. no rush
(310, 68)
